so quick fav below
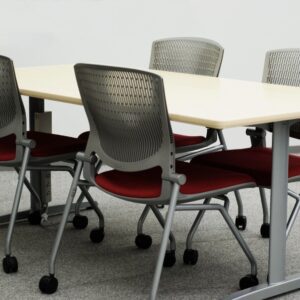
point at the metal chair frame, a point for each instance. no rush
(133, 102)
(13, 114)
(281, 67)
(194, 56)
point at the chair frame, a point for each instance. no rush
(163, 156)
(24, 161)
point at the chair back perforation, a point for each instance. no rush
(283, 67)
(187, 55)
(12, 112)
(127, 109)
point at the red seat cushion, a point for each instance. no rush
(187, 140)
(147, 184)
(180, 140)
(47, 144)
(257, 162)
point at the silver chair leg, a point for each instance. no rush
(264, 205)
(10, 263)
(81, 196)
(248, 280)
(142, 219)
(87, 195)
(64, 218)
(16, 201)
(241, 220)
(164, 241)
(240, 240)
(195, 225)
(161, 221)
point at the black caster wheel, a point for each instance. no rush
(170, 258)
(160, 206)
(143, 241)
(10, 264)
(80, 222)
(35, 218)
(265, 230)
(241, 222)
(248, 281)
(48, 284)
(190, 256)
(97, 235)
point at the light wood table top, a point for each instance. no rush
(200, 100)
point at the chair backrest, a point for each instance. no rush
(128, 117)
(283, 67)
(187, 55)
(12, 113)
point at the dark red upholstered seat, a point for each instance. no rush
(46, 145)
(187, 140)
(257, 162)
(147, 184)
(180, 140)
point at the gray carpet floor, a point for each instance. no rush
(116, 269)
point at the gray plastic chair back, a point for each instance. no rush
(128, 117)
(187, 55)
(283, 67)
(12, 113)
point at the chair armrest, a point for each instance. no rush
(26, 143)
(176, 178)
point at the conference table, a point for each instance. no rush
(215, 103)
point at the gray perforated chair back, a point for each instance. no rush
(283, 67)
(187, 55)
(12, 113)
(128, 117)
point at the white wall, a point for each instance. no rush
(120, 32)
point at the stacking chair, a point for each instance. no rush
(30, 150)
(197, 56)
(130, 132)
(281, 67)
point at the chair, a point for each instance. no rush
(131, 133)
(197, 56)
(30, 150)
(281, 67)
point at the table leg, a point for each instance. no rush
(38, 181)
(278, 282)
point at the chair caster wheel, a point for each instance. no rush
(160, 206)
(97, 235)
(190, 256)
(241, 222)
(10, 264)
(48, 284)
(265, 230)
(35, 218)
(143, 241)
(248, 281)
(80, 222)
(170, 258)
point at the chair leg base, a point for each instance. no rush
(80, 222)
(143, 241)
(170, 259)
(241, 222)
(10, 264)
(97, 235)
(265, 230)
(35, 218)
(48, 284)
(248, 281)
(190, 257)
